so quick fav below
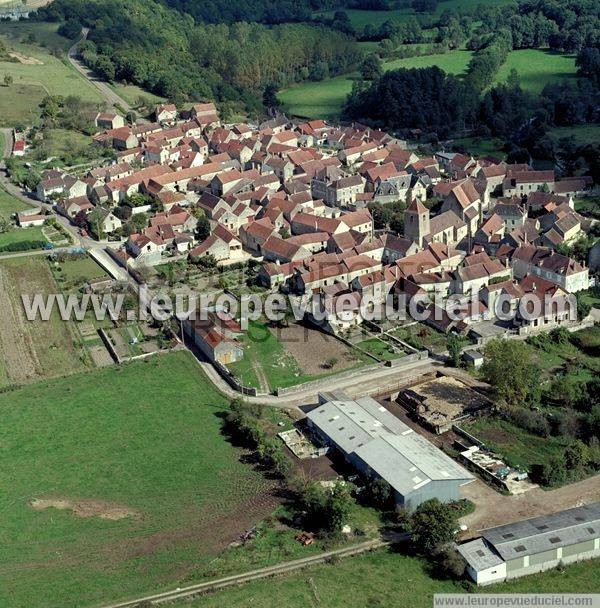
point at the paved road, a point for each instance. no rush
(109, 95)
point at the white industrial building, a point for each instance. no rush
(378, 444)
(533, 545)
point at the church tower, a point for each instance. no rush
(416, 222)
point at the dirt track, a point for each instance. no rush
(494, 509)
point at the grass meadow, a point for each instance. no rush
(520, 448)
(360, 18)
(37, 74)
(154, 489)
(384, 578)
(326, 98)
(8, 203)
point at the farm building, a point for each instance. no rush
(378, 444)
(216, 335)
(438, 403)
(533, 545)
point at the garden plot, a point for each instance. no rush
(31, 350)
(279, 357)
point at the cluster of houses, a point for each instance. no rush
(296, 196)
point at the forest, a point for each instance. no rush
(170, 54)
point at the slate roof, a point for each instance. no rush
(545, 533)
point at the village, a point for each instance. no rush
(293, 201)
(188, 203)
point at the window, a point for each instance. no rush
(508, 535)
(520, 549)
(555, 540)
(542, 527)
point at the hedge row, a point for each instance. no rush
(22, 246)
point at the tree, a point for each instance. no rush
(397, 223)
(8, 80)
(70, 29)
(583, 306)
(424, 6)
(588, 62)
(136, 199)
(270, 96)
(382, 214)
(327, 509)
(137, 223)
(508, 367)
(202, 228)
(338, 505)
(454, 346)
(380, 492)
(370, 68)
(432, 526)
(577, 455)
(450, 563)
(552, 473)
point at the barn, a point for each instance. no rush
(533, 545)
(378, 444)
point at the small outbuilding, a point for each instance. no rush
(473, 357)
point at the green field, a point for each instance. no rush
(263, 352)
(268, 365)
(360, 18)
(31, 82)
(130, 93)
(9, 204)
(589, 205)
(325, 99)
(144, 438)
(481, 146)
(384, 578)
(21, 235)
(583, 134)
(517, 446)
(537, 68)
(73, 273)
(380, 349)
(32, 350)
(42, 33)
(421, 336)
